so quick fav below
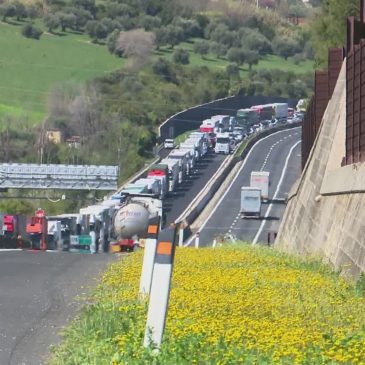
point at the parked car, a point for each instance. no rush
(169, 143)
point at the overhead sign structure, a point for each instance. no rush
(76, 177)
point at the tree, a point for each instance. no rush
(30, 31)
(201, 47)
(162, 68)
(16, 206)
(33, 11)
(136, 44)
(20, 10)
(149, 22)
(85, 4)
(252, 58)
(232, 70)
(174, 35)
(82, 16)
(181, 56)
(111, 42)
(285, 47)
(160, 37)
(220, 50)
(236, 55)
(66, 20)
(255, 41)
(329, 26)
(7, 10)
(96, 30)
(51, 21)
(221, 34)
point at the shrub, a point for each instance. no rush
(30, 31)
(181, 56)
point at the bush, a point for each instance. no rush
(181, 56)
(232, 69)
(30, 31)
(201, 47)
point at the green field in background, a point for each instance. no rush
(30, 68)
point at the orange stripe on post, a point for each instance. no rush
(152, 229)
(164, 248)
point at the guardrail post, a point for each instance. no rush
(149, 256)
(160, 288)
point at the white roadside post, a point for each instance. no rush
(149, 257)
(197, 237)
(160, 289)
(181, 234)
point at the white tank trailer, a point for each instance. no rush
(132, 218)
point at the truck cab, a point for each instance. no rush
(223, 144)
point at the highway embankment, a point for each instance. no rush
(231, 305)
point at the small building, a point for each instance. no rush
(74, 141)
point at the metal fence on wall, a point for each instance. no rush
(324, 84)
(355, 88)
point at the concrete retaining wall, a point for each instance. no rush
(325, 215)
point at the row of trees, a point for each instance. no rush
(170, 22)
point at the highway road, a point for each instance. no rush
(279, 154)
(38, 296)
(177, 202)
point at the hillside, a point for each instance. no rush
(31, 68)
(72, 47)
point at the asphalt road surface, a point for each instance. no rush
(279, 154)
(204, 169)
(38, 296)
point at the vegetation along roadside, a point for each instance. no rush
(230, 305)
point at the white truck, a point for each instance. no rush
(175, 176)
(223, 122)
(204, 140)
(153, 185)
(192, 156)
(261, 180)
(194, 146)
(54, 238)
(99, 220)
(183, 157)
(223, 144)
(250, 202)
(280, 111)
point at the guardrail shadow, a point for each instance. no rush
(276, 201)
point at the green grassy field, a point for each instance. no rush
(30, 68)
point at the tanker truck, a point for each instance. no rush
(130, 221)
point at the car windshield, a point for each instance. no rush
(222, 140)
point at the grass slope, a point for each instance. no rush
(231, 305)
(210, 60)
(30, 68)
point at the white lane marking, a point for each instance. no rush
(10, 249)
(232, 182)
(254, 242)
